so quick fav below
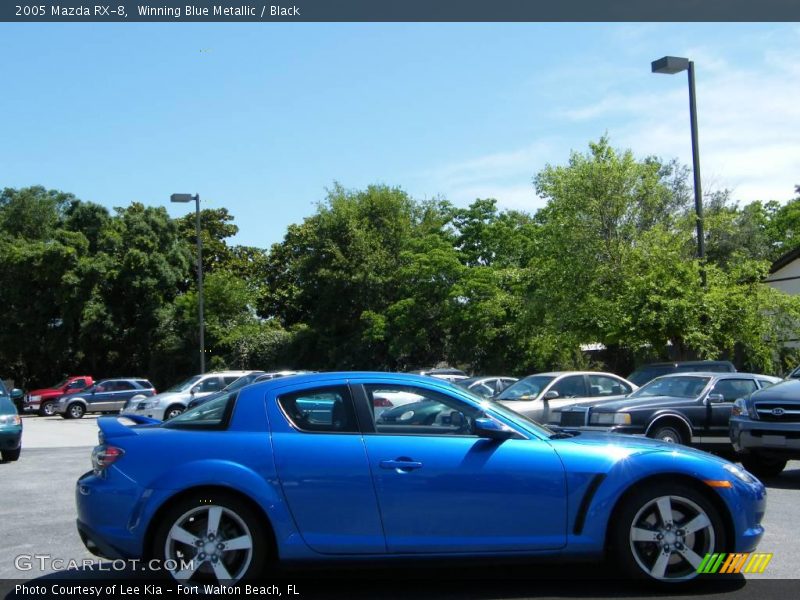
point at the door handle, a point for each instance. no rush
(401, 464)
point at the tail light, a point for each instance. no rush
(104, 456)
(381, 403)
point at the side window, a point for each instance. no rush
(399, 409)
(327, 409)
(600, 385)
(212, 384)
(123, 386)
(229, 379)
(143, 383)
(570, 387)
(731, 389)
(77, 384)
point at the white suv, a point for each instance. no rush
(174, 401)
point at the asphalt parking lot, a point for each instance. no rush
(38, 515)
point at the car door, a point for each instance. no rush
(323, 469)
(719, 413)
(97, 399)
(123, 391)
(442, 489)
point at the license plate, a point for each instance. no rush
(774, 440)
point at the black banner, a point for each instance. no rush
(400, 10)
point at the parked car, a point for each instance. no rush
(538, 396)
(296, 469)
(649, 372)
(173, 402)
(794, 374)
(42, 400)
(765, 428)
(690, 408)
(486, 386)
(238, 384)
(107, 395)
(10, 425)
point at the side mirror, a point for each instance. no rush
(493, 430)
(550, 395)
(715, 398)
(16, 394)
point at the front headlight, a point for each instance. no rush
(147, 404)
(610, 419)
(739, 473)
(9, 420)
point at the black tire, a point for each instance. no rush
(75, 411)
(11, 455)
(761, 466)
(46, 409)
(675, 556)
(173, 411)
(667, 433)
(238, 520)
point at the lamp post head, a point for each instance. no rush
(670, 65)
(181, 198)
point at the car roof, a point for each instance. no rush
(717, 374)
(322, 378)
(560, 373)
(684, 362)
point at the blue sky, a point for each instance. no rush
(261, 118)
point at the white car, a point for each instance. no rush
(174, 401)
(539, 396)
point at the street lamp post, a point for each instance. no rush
(196, 198)
(671, 65)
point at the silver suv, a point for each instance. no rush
(174, 401)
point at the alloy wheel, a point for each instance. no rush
(669, 537)
(209, 542)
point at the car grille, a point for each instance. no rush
(574, 418)
(773, 411)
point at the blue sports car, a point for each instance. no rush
(298, 469)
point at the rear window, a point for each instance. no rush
(213, 414)
(144, 383)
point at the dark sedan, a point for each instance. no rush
(690, 408)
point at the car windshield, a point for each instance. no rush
(242, 381)
(185, 385)
(60, 384)
(525, 389)
(508, 413)
(208, 414)
(680, 386)
(645, 374)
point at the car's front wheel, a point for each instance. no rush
(47, 409)
(667, 433)
(664, 531)
(761, 466)
(172, 411)
(212, 536)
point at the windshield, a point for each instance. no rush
(243, 381)
(182, 387)
(508, 413)
(209, 414)
(525, 389)
(680, 386)
(60, 384)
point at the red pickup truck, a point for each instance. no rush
(42, 400)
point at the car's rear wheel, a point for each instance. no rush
(667, 433)
(11, 455)
(212, 536)
(663, 532)
(75, 411)
(173, 411)
(761, 466)
(47, 409)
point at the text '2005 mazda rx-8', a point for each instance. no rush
(300, 469)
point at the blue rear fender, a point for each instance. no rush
(193, 477)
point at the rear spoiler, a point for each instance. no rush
(114, 427)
